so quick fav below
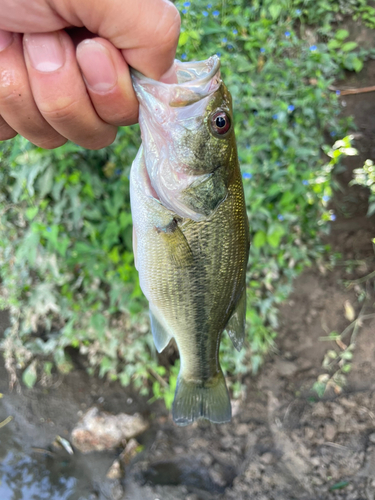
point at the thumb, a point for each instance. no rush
(146, 31)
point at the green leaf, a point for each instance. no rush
(371, 210)
(339, 486)
(275, 10)
(62, 360)
(276, 232)
(111, 234)
(47, 367)
(45, 182)
(341, 34)
(31, 212)
(333, 44)
(125, 219)
(63, 245)
(357, 64)
(348, 355)
(29, 375)
(347, 47)
(184, 37)
(106, 365)
(114, 255)
(260, 239)
(51, 234)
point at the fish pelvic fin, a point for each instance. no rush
(237, 322)
(159, 331)
(201, 399)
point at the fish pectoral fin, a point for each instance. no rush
(176, 244)
(205, 399)
(160, 334)
(237, 322)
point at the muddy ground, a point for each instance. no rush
(283, 443)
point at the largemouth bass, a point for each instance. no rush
(191, 233)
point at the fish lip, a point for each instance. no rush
(213, 61)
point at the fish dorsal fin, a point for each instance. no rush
(177, 244)
(159, 332)
(237, 322)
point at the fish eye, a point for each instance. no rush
(220, 123)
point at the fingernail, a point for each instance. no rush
(96, 65)
(5, 39)
(45, 51)
(170, 76)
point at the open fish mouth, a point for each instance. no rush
(195, 80)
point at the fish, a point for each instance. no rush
(190, 229)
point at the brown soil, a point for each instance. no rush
(283, 443)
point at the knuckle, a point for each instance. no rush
(11, 98)
(61, 109)
(13, 88)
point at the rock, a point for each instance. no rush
(305, 364)
(97, 431)
(130, 451)
(217, 475)
(266, 458)
(330, 432)
(242, 429)
(309, 433)
(348, 403)
(117, 491)
(114, 472)
(206, 460)
(226, 442)
(179, 450)
(372, 437)
(316, 461)
(337, 411)
(319, 410)
(236, 407)
(286, 368)
(192, 497)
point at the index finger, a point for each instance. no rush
(146, 31)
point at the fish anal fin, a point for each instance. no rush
(176, 244)
(206, 399)
(159, 332)
(237, 322)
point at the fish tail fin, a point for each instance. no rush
(208, 399)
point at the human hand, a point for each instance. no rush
(51, 91)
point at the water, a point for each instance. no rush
(22, 477)
(34, 474)
(28, 473)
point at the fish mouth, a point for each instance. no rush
(188, 73)
(195, 81)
